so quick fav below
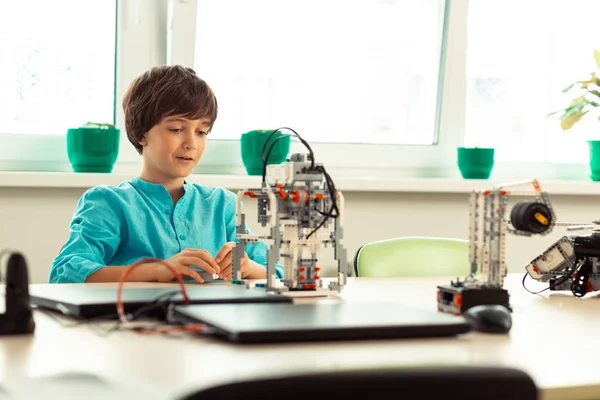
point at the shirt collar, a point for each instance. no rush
(187, 186)
(150, 187)
(147, 186)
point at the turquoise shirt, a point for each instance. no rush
(137, 219)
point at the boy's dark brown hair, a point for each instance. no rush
(163, 91)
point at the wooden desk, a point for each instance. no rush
(554, 338)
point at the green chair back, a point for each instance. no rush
(413, 256)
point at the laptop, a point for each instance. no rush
(263, 323)
(89, 302)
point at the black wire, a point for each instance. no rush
(297, 135)
(265, 159)
(543, 290)
(332, 191)
(159, 301)
(334, 208)
(162, 300)
(333, 212)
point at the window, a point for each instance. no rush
(69, 63)
(336, 92)
(58, 68)
(379, 87)
(337, 71)
(520, 56)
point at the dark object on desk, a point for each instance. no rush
(428, 383)
(489, 318)
(87, 301)
(17, 318)
(456, 298)
(264, 323)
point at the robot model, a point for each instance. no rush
(487, 248)
(572, 263)
(298, 202)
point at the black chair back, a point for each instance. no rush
(464, 383)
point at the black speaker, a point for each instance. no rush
(18, 317)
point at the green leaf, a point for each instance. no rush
(564, 111)
(572, 110)
(554, 113)
(594, 92)
(575, 106)
(571, 86)
(597, 57)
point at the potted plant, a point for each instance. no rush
(93, 147)
(586, 102)
(253, 143)
(475, 162)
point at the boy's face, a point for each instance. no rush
(173, 147)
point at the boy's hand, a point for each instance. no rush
(183, 262)
(225, 261)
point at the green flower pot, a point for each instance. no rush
(252, 145)
(475, 162)
(93, 148)
(594, 147)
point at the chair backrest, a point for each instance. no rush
(413, 256)
(464, 383)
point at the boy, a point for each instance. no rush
(169, 111)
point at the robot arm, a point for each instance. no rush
(570, 263)
(552, 263)
(488, 227)
(487, 243)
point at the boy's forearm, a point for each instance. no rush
(143, 273)
(257, 271)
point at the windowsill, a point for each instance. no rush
(236, 182)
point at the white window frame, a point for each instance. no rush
(377, 160)
(159, 32)
(141, 44)
(223, 156)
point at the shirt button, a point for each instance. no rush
(182, 237)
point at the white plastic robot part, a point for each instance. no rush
(281, 173)
(552, 259)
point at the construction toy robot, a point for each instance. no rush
(571, 263)
(487, 243)
(298, 202)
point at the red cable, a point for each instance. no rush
(186, 300)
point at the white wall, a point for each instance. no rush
(35, 221)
